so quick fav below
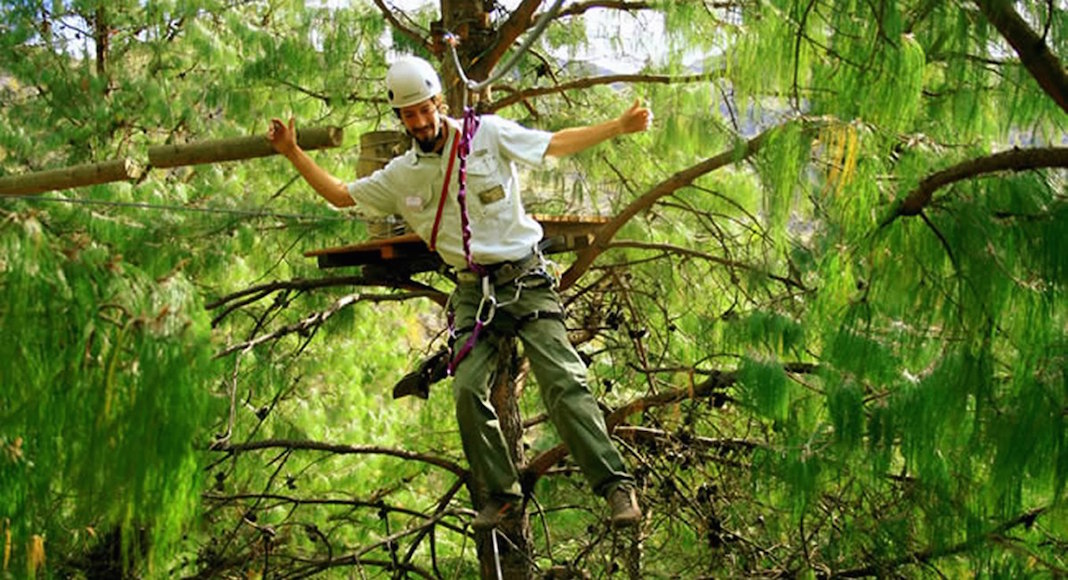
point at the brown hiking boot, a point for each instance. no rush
(491, 514)
(623, 501)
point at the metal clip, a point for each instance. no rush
(488, 297)
(519, 287)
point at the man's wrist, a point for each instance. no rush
(292, 153)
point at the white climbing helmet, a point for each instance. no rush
(411, 80)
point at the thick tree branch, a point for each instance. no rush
(1036, 57)
(411, 33)
(342, 449)
(518, 22)
(666, 187)
(584, 83)
(1014, 159)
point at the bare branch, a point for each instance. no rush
(579, 8)
(1035, 55)
(1014, 159)
(307, 324)
(391, 16)
(343, 449)
(1026, 519)
(659, 435)
(584, 83)
(261, 290)
(713, 387)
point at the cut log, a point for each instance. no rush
(237, 148)
(68, 177)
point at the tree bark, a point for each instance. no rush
(478, 50)
(514, 549)
(68, 177)
(469, 21)
(237, 148)
(1036, 57)
(1011, 160)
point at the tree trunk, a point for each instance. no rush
(513, 547)
(102, 39)
(470, 22)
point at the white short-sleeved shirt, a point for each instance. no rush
(501, 229)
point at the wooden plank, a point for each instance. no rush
(408, 253)
(237, 148)
(68, 177)
(366, 246)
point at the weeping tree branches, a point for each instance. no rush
(1026, 519)
(680, 179)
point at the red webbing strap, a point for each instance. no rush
(444, 193)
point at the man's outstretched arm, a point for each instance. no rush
(284, 140)
(569, 141)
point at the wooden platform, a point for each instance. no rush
(402, 256)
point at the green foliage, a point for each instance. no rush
(846, 397)
(106, 391)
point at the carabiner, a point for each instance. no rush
(488, 297)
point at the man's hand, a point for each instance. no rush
(636, 118)
(283, 138)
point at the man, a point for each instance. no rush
(502, 246)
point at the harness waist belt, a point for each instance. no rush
(502, 272)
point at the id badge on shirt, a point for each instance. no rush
(495, 193)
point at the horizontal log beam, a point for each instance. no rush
(68, 177)
(237, 148)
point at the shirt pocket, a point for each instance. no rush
(487, 195)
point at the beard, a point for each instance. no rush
(427, 138)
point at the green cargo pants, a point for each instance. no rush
(561, 375)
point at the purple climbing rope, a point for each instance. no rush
(471, 122)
